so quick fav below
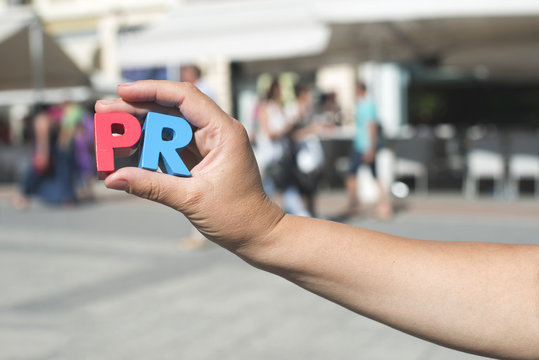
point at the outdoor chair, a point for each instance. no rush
(523, 161)
(484, 160)
(411, 160)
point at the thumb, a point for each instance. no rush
(162, 188)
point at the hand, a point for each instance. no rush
(41, 162)
(223, 198)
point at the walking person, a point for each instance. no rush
(308, 151)
(50, 175)
(276, 153)
(363, 152)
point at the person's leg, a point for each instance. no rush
(354, 160)
(28, 187)
(384, 208)
(351, 190)
(59, 187)
(293, 203)
(310, 200)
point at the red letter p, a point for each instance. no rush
(116, 134)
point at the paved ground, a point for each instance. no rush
(107, 281)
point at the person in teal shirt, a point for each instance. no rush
(363, 151)
(365, 116)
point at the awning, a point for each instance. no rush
(365, 11)
(237, 31)
(503, 46)
(500, 36)
(31, 61)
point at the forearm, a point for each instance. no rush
(477, 297)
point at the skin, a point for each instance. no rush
(481, 298)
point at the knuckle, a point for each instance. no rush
(193, 199)
(189, 87)
(152, 191)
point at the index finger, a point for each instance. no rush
(139, 109)
(197, 108)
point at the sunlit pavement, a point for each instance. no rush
(107, 281)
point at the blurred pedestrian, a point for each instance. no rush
(191, 73)
(275, 151)
(308, 152)
(83, 142)
(329, 109)
(50, 172)
(363, 152)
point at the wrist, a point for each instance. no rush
(273, 250)
(261, 240)
(282, 249)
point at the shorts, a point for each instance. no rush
(355, 159)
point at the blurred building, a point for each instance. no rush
(441, 66)
(328, 42)
(88, 30)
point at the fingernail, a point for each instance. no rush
(120, 184)
(106, 101)
(124, 85)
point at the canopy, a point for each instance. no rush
(31, 61)
(351, 11)
(234, 31)
(498, 35)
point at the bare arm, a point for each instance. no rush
(477, 297)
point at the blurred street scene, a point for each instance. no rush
(414, 118)
(454, 84)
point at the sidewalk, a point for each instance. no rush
(332, 202)
(442, 203)
(107, 281)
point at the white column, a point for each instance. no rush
(216, 73)
(108, 38)
(387, 85)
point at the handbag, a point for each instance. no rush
(282, 170)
